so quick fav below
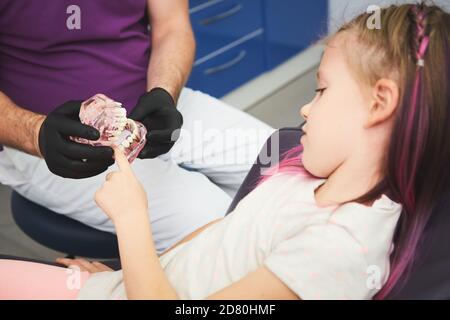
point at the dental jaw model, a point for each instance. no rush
(116, 130)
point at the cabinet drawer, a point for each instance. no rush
(229, 69)
(199, 3)
(219, 22)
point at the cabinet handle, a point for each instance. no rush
(227, 65)
(222, 15)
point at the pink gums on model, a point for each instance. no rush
(116, 130)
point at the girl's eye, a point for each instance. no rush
(320, 90)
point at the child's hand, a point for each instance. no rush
(122, 195)
(84, 265)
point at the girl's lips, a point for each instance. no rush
(304, 127)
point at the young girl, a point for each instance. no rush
(372, 163)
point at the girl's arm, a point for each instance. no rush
(145, 278)
(143, 274)
(124, 200)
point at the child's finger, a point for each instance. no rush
(86, 265)
(101, 266)
(64, 261)
(70, 263)
(121, 160)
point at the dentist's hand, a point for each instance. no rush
(122, 196)
(157, 111)
(65, 157)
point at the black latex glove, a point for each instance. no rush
(63, 156)
(157, 111)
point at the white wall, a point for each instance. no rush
(343, 10)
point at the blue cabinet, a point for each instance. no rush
(238, 40)
(230, 68)
(223, 23)
(292, 26)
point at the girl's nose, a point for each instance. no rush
(304, 111)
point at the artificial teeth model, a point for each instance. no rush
(116, 130)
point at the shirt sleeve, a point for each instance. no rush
(323, 261)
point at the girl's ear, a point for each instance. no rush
(385, 98)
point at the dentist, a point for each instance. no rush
(56, 53)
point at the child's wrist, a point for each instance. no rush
(131, 217)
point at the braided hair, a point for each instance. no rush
(421, 39)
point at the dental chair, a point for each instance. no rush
(430, 278)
